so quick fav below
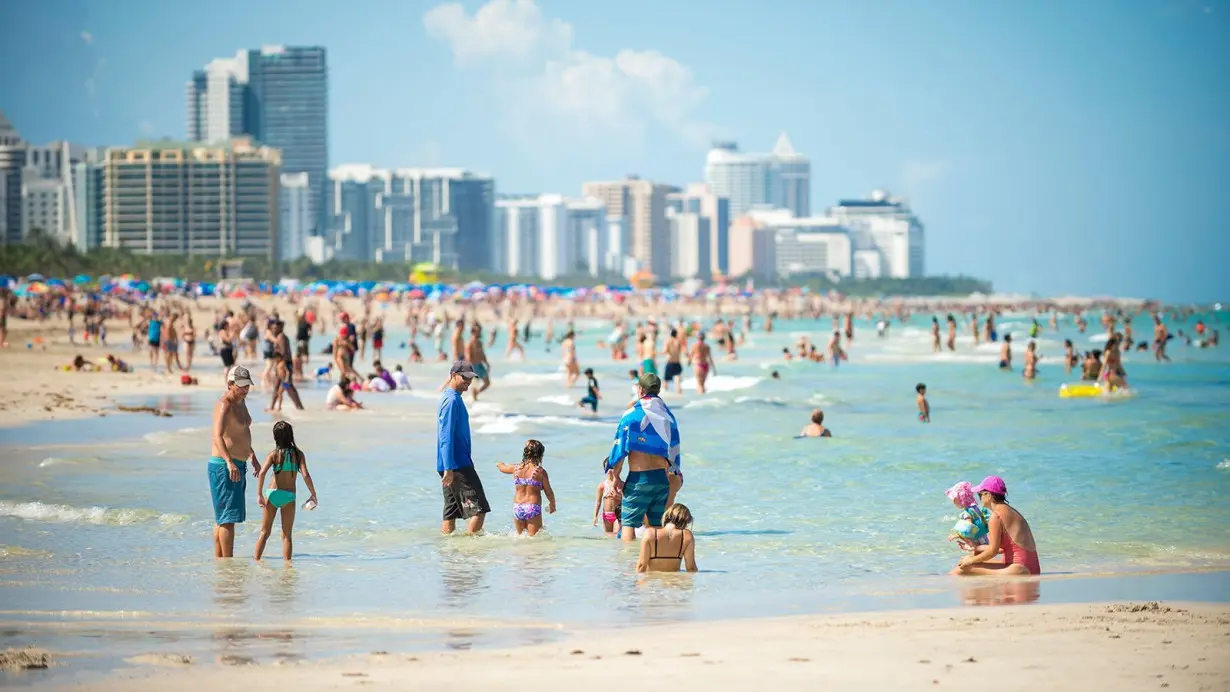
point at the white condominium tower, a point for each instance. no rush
(780, 178)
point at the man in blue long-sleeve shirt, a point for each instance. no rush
(463, 490)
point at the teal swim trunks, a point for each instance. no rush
(228, 495)
(645, 493)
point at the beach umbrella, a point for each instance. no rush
(35, 277)
(82, 279)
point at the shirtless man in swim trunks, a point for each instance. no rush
(701, 360)
(229, 451)
(1005, 353)
(647, 351)
(1160, 337)
(478, 358)
(459, 351)
(674, 358)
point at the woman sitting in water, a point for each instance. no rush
(672, 546)
(341, 396)
(816, 427)
(1008, 529)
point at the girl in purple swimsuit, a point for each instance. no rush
(530, 481)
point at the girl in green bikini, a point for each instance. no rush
(287, 461)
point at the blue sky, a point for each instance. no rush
(1058, 147)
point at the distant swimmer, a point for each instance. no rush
(1005, 353)
(514, 343)
(701, 360)
(569, 348)
(674, 361)
(647, 351)
(477, 356)
(935, 334)
(952, 332)
(1112, 374)
(816, 427)
(592, 395)
(1160, 337)
(924, 408)
(1069, 356)
(1031, 360)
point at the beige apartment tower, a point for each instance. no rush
(642, 204)
(177, 198)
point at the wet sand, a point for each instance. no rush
(1125, 646)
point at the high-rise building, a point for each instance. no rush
(887, 238)
(48, 189)
(781, 178)
(812, 246)
(440, 215)
(643, 204)
(699, 198)
(517, 236)
(279, 96)
(690, 249)
(88, 203)
(753, 249)
(12, 161)
(550, 236)
(297, 215)
(189, 198)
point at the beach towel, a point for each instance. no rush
(648, 427)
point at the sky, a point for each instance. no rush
(1062, 148)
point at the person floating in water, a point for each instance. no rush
(924, 409)
(816, 427)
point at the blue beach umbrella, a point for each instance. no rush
(82, 279)
(35, 277)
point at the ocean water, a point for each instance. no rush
(105, 524)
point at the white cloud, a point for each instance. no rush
(87, 37)
(556, 88)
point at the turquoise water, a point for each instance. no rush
(106, 523)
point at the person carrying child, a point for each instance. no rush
(287, 461)
(970, 531)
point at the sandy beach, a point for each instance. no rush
(1122, 646)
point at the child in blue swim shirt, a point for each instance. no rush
(970, 531)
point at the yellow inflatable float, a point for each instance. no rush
(1081, 389)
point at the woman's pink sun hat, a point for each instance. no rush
(992, 484)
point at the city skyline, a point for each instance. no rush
(1027, 143)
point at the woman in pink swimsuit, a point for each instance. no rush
(1007, 529)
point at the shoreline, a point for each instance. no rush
(1101, 645)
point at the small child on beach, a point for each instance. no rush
(287, 461)
(970, 531)
(609, 500)
(530, 481)
(924, 409)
